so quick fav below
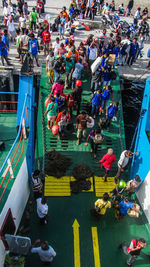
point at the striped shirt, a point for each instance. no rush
(36, 184)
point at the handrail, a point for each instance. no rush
(20, 125)
(9, 93)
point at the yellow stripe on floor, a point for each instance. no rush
(101, 187)
(88, 179)
(95, 247)
(55, 187)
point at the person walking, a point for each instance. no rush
(107, 162)
(129, 7)
(134, 48)
(3, 52)
(33, 48)
(63, 118)
(81, 125)
(96, 137)
(96, 102)
(34, 19)
(46, 40)
(42, 209)
(111, 111)
(134, 249)
(45, 252)
(51, 112)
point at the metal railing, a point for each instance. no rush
(8, 168)
(11, 104)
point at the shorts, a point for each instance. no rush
(34, 56)
(81, 132)
(106, 170)
(51, 73)
(51, 118)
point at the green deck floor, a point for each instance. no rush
(64, 210)
(8, 133)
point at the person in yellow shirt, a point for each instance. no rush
(100, 206)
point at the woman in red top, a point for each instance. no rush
(46, 39)
(107, 161)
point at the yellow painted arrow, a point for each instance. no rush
(76, 243)
(96, 247)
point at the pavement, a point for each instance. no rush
(137, 71)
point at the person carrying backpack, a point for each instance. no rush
(96, 137)
(100, 207)
(134, 249)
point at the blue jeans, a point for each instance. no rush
(139, 52)
(94, 109)
(57, 76)
(104, 103)
(61, 29)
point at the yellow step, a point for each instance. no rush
(57, 187)
(102, 187)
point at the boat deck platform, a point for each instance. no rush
(77, 238)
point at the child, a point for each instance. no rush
(60, 101)
(70, 103)
(50, 67)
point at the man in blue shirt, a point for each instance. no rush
(3, 52)
(106, 92)
(33, 48)
(125, 205)
(111, 111)
(77, 72)
(134, 48)
(96, 102)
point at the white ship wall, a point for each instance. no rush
(143, 196)
(16, 201)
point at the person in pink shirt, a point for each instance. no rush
(57, 88)
(107, 161)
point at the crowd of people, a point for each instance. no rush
(99, 54)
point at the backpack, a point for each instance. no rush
(103, 123)
(98, 139)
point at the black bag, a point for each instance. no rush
(103, 123)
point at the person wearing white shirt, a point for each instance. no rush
(137, 16)
(6, 13)
(56, 45)
(45, 252)
(123, 161)
(11, 29)
(42, 209)
(22, 24)
(92, 53)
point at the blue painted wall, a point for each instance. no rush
(25, 87)
(141, 162)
